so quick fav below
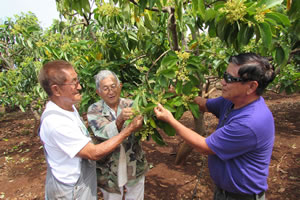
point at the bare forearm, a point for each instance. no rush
(191, 137)
(119, 123)
(110, 145)
(98, 151)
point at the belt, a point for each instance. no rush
(241, 195)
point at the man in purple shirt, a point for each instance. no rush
(240, 149)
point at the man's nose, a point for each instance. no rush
(79, 87)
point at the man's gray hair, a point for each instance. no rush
(103, 74)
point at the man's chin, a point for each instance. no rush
(77, 98)
(224, 94)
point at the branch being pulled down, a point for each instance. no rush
(172, 28)
(171, 24)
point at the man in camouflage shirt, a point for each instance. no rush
(126, 166)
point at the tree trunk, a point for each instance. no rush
(185, 149)
(37, 118)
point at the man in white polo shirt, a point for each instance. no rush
(70, 154)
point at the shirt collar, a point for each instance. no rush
(108, 111)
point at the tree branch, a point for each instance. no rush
(172, 28)
(165, 9)
(154, 63)
(137, 58)
(171, 23)
(10, 65)
(63, 31)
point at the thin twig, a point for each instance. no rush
(198, 181)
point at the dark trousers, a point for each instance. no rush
(221, 194)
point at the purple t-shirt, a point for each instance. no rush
(243, 146)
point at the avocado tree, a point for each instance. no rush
(179, 46)
(163, 51)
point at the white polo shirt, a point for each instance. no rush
(63, 135)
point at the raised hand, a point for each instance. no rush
(162, 113)
(136, 123)
(201, 103)
(126, 114)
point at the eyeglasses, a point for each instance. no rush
(231, 79)
(109, 88)
(75, 82)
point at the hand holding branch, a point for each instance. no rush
(162, 113)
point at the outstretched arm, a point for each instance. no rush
(96, 152)
(194, 139)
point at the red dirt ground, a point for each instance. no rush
(23, 167)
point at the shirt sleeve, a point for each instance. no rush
(102, 126)
(215, 105)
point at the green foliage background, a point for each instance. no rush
(153, 45)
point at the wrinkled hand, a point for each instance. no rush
(136, 123)
(126, 114)
(162, 113)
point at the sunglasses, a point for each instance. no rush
(231, 79)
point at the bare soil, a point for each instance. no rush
(23, 167)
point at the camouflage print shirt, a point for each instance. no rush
(103, 124)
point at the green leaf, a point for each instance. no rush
(168, 73)
(195, 61)
(201, 9)
(144, 100)
(212, 31)
(143, 4)
(279, 18)
(195, 81)
(222, 28)
(149, 108)
(178, 10)
(152, 122)
(177, 101)
(210, 14)
(179, 112)
(168, 95)
(168, 129)
(178, 88)
(151, 3)
(195, 7)
(279, 56)
(157, 138)
(147, 23)
(187, 88)
(86, 5)
(245, 34)
(29, 42)
(169, 61)
(135, 104)
(269, 3)
(266, 34)
(163, 81)
(169, 107)
(294, 13)
(194, 109)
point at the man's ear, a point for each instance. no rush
(55, 90)
(252, 87)
(121, 85)
(97, 91)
